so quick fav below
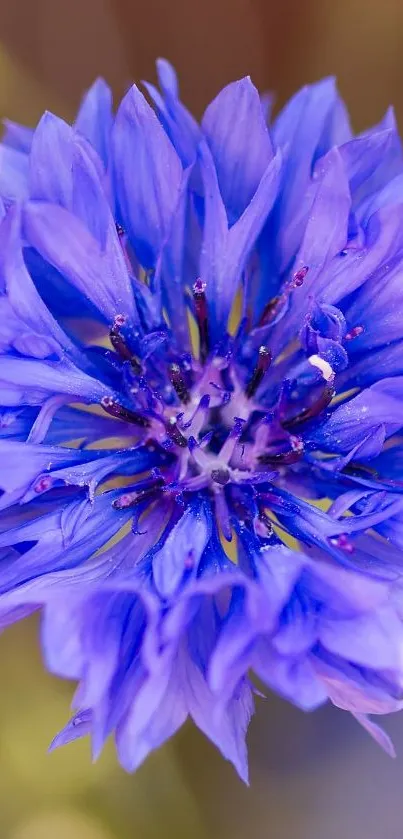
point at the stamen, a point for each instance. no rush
(270, 310)
(227, 450)
(290, 456)
(262, 525)
(354, 333)
(220, 476)
(272, 307)
(263, 364)
(175, 434)
(200, 302)
(119, 344)
(179, 384)
(132, 499)
(322, 365)
(43, 484)
(114, 409)
(343, 542)
(313, 410)
(299, 277)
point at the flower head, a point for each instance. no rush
(201, 386)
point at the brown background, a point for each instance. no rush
(312, 776)
(63, 44)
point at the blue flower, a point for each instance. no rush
(201, 383)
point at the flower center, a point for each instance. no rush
(225, 424)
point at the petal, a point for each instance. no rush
(179, 124)
(17, 136)
(79, 726)
(30, 382)
(372, 162)
(50, 161)
(293, 678)
(95, 118)
(157, 714)
(377, 733)
(62, 539)
(349, 689)
(325, 235)
(64, 241)
(182, 549)
(226, 728)
(312, 122)
(36, 333)
(147, 176)
(382, 247)
(378, 405)
(373, 640)
(224, 252)
(240, 144)
(13, 173)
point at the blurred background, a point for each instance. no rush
(312, 776)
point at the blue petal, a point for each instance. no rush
(95, 118)
(79, 726)
(50, 161)
(226, 728)
(182, 550)
(35, 331)
(13, 174)
(240, 144)
(159, 713)
(17, 136)
(147, 176)
(350, 423)
(311, 123)
(325, 235)
(371, 163)
(63, 539)
(64, 241)
(373, 640)
(179, 124)
(225, 251)
(30, 382)
(292, 677)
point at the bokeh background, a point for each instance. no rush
(312, 776)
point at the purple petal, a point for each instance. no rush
(50, 161)
(13, 173)
(147, 174)
(95, 118)
(377, 733)
(240, 144)
(181, 551)
(29, 382)
(64, 242)
(380, 404)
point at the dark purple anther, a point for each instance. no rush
(114, 409)
(343, 542)
(263, 364)
(299, 277)
(43, 484)
(119, 344)
(220, 476)
(354, 333)
(175, 434)
(270, 310)
(200, 302)
(132, 499)
(313, 410)
(262, 525)
(179, 384)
